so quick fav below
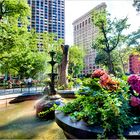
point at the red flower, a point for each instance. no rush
(104, 79)
(98, 73)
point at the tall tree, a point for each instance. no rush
(63, 66)
(102, 59)
(50, 43)
(18, 47)
(12, 13)
(123, 55)
(110, 34)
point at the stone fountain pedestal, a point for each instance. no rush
(47, 103)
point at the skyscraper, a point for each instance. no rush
(48, 15)
(84, 34)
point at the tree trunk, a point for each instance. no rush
(0, 18)
(63, 67)
(110, 64)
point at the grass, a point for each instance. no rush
(18, 121)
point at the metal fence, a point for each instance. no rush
(35, 88)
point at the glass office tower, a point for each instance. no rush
(48, 15)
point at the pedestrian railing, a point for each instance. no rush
(35, 88)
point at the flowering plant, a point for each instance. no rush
(105, 103)
(135, 102)
(134, 82)
(105, 80)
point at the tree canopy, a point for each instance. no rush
(133, 39)
(136, 3)
(14, 8)
(76, 56)
(110, 34)
(18, 47)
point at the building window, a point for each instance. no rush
(83, 24)
(89, 20)
(86, 22)
(80, 25)
(77, 27)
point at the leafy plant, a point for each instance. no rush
(44, 113)
(105, 103)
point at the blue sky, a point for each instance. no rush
(117, 8)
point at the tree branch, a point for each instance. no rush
(1, 11)
(117, 41)
(104, 33)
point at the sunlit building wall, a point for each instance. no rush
(84, 34)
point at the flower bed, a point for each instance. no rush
(106, 104)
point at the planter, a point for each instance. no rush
(80, 130)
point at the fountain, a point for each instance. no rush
(52, 75)
(45, 107)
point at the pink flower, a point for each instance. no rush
(134, 101)
(132, 79)
(134, 82)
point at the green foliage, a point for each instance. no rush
(92, 84)
(14, 9)
(110, 35)
(102, 57)
(23, 57)
(98, 106)
(136, 3)
(133, 39)
(70, 85)
(42, 114)
(18, 47)
(76, 56)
